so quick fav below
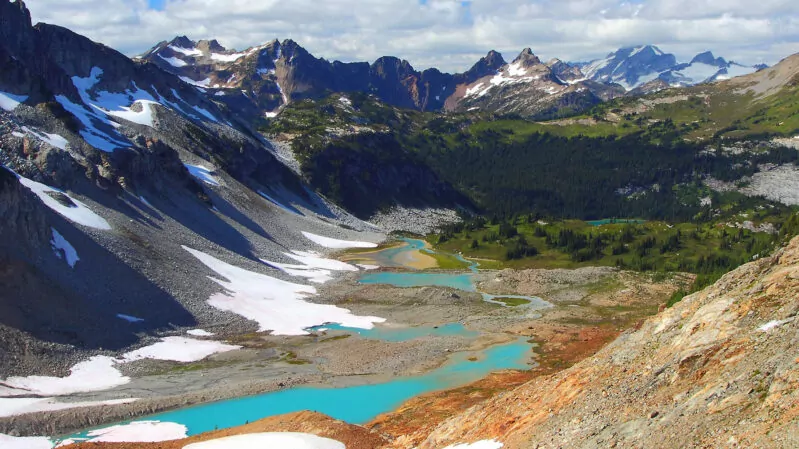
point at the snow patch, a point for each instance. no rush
(139, 432)
(202, 83)
(179, 349)
(274, 304)
(206, 114)
(288, 440)
(270, 114)
(278, 203)
(145, 117)
(9, 442)
(202, 173)
(96, 374)
(186, 51)
(200, 333)
(54, 140)
(174, 62)
(516, 69)
(62, 246)
(227, 58)
(9, 102)
(369, 267)
(328, 242)
(79, 213)
(313, 267)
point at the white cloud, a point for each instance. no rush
(449, 34)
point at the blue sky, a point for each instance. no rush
(156, 4)
(449, 34)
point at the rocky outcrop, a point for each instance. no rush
(717, 369)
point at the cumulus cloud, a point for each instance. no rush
(448, 34)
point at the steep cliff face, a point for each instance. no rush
(718, 369)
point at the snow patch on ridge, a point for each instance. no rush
(174, 62)
(79, 213)
(186, 51)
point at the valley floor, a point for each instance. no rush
(591, 307)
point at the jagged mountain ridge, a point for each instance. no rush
(636, 67)
(266, 77)
(260, 80)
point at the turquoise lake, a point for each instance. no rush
(397, 334)
(355, 404)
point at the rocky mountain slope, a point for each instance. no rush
(717, 369)
(531, 88)
(113, 172)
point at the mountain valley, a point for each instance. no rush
(201, 243)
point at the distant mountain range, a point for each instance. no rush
(260, 80)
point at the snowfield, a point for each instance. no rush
(274, 304)
(96, 374)
(328, 242)
(79, 214)
(200, 333)
(174, 62)
(287, 440)
(62, 246)
(139, 432)
(9, 442)
(9, 102)
(179, 349)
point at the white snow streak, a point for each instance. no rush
(174, 62)
(62, 246)
(202, 173)
(328, 242)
